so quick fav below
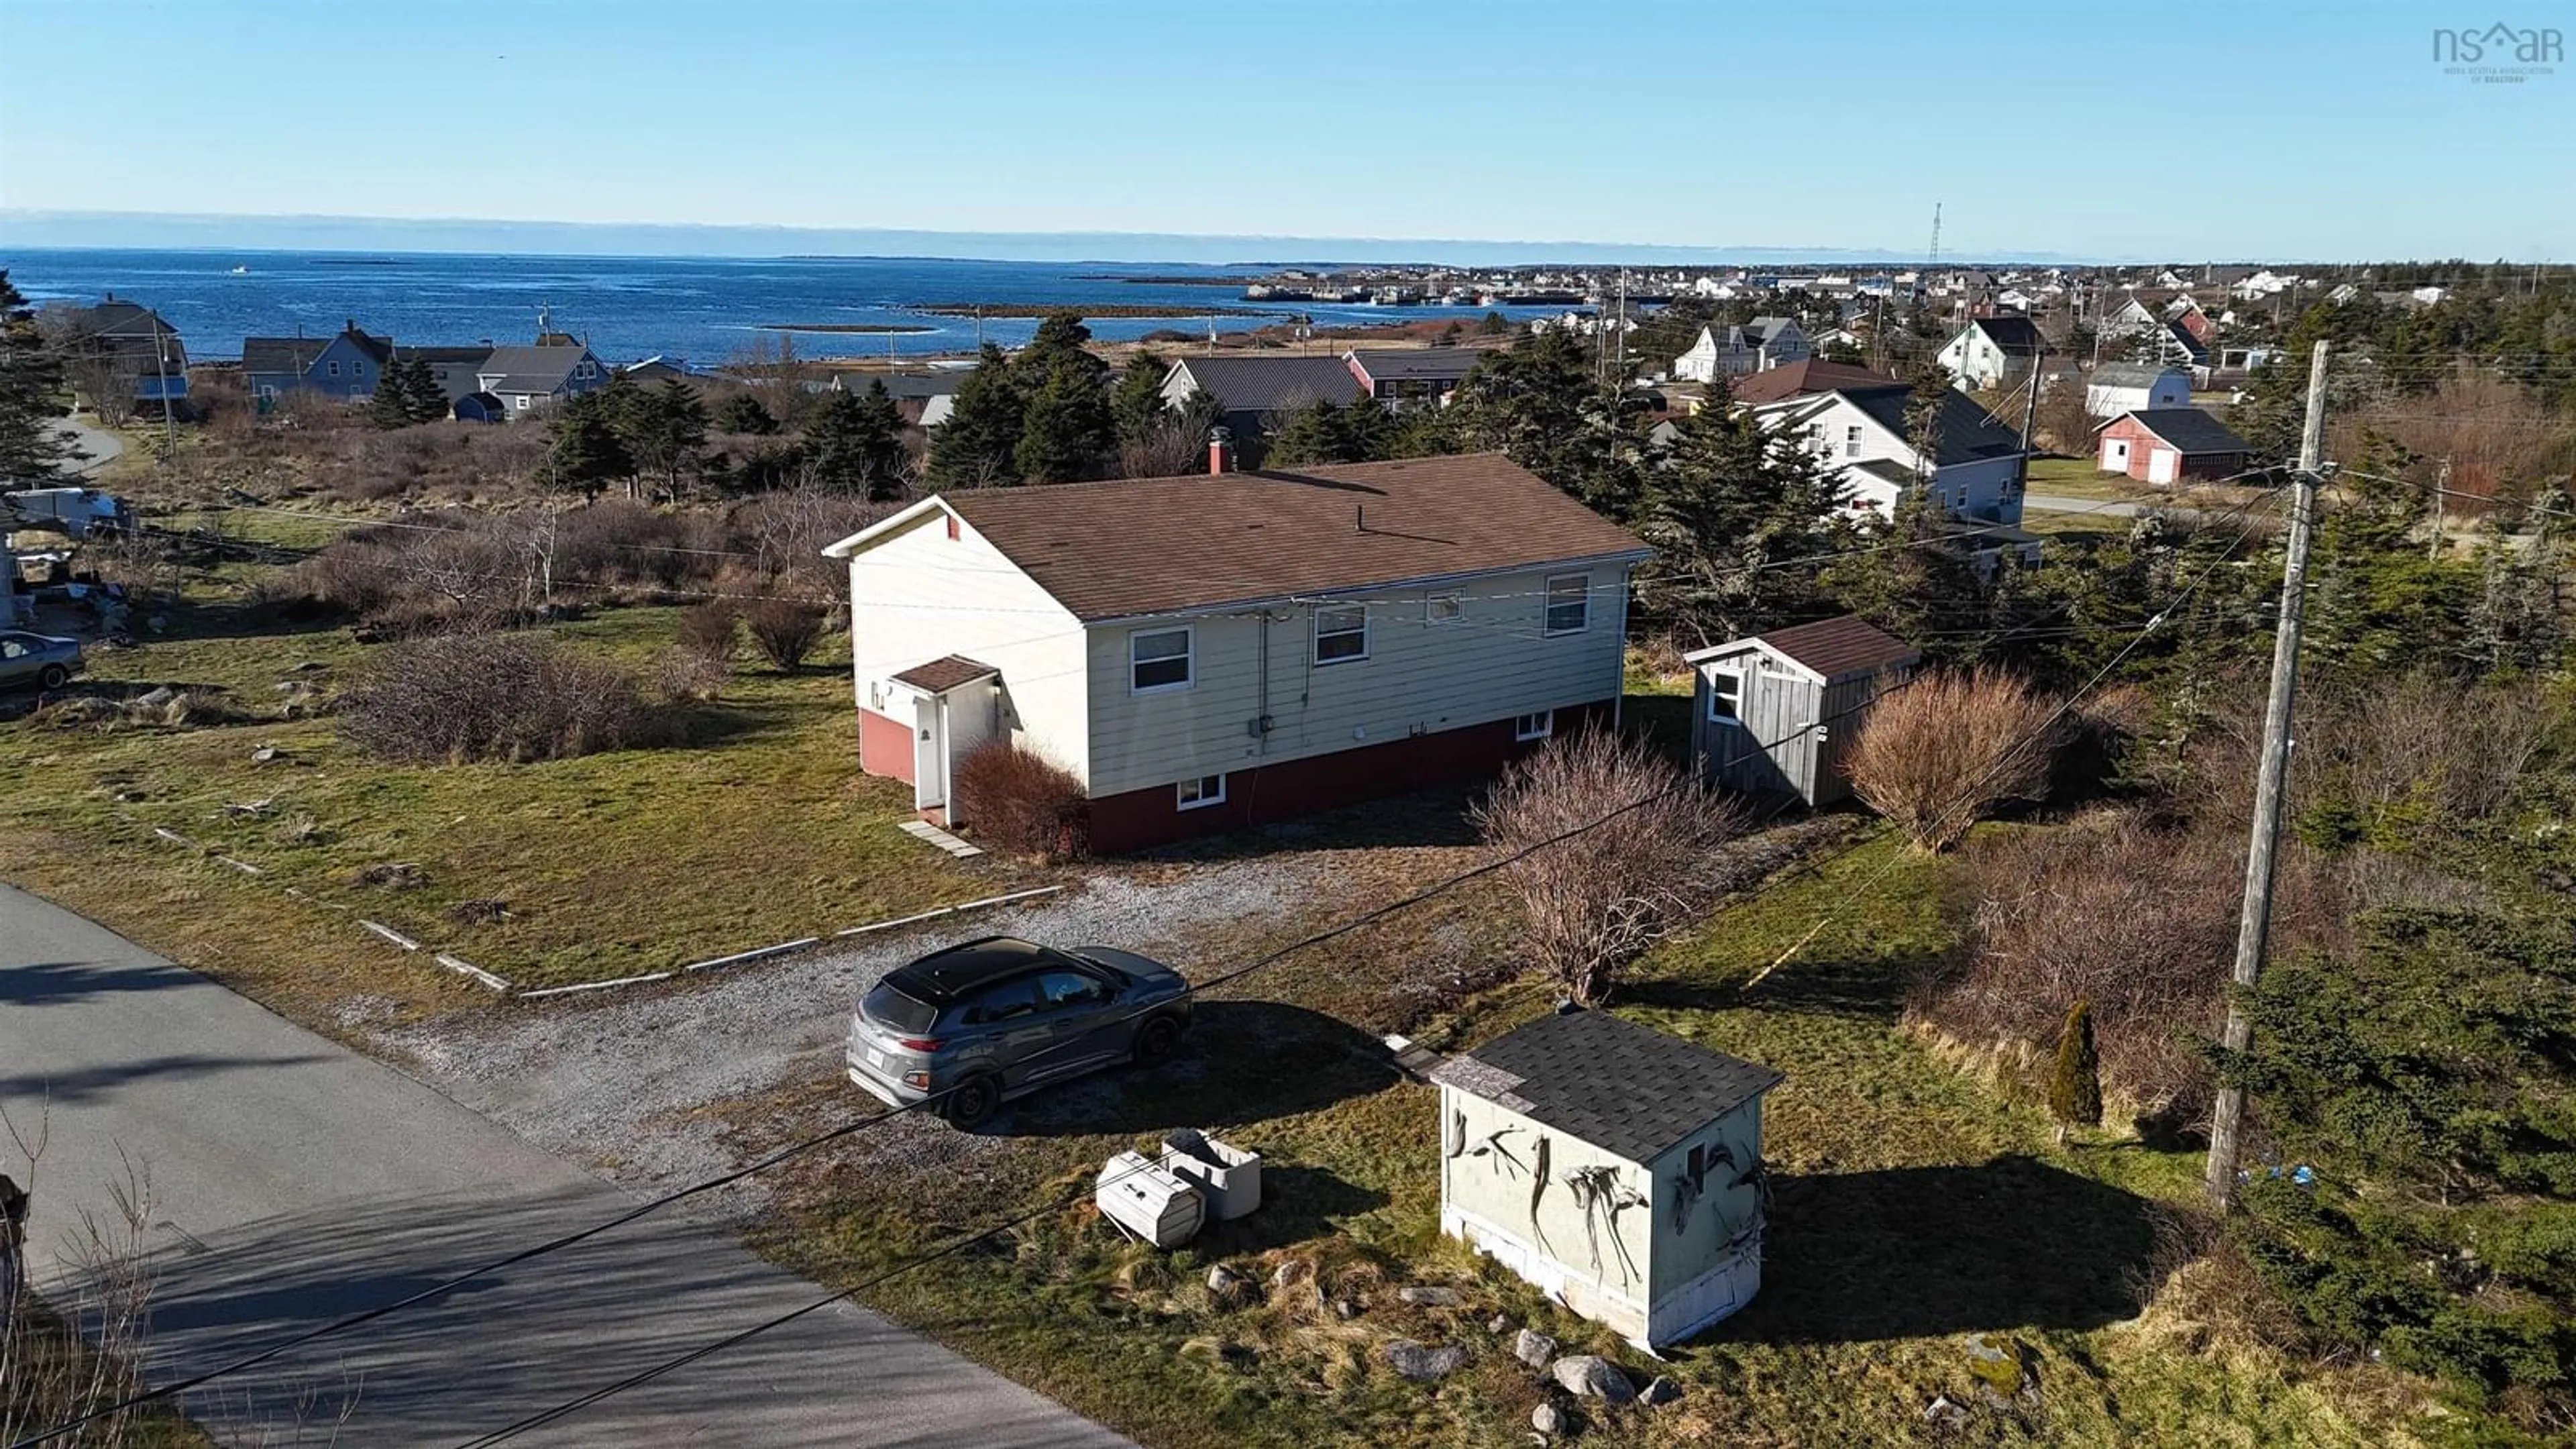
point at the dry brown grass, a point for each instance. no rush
(1942, 752)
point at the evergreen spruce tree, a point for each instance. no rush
(391, 405)
(1732, 508)
(587, 454)
(976, 447)
(742, 413)
(428, 400)
(32, 453)
(1309, 434)
(1137, 406)
(662, 428)
(854, 445)
(2075, 1079)
(1067, 430)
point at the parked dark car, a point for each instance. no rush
(37, 659)
(994, 1019)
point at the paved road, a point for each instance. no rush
(294, 1181)
(97, 447)
(2051, 503)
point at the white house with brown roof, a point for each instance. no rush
(1211, 651)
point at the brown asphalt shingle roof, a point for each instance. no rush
(945, 673)
(1777, 384)
(1840, 646)
(1157, 545)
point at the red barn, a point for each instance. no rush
(2173, 445)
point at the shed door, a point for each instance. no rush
(2160, 465)
(2115, 455)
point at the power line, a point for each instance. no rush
(563, 1410)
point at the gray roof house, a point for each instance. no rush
(1776, 713)
(456, 370)
(346, 365)
(1253, 390)
(1400, 376)
(1616, 1168)
(528, 377)
(125, 340)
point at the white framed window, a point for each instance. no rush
(1534, 726)
(583, 371)
(1569, 603)
(521, 402)
(1444, 608)
(1851, 441)
(1341, 633)
(1725, 697)
(335, 368)
(1158, 660)
(1200, 793)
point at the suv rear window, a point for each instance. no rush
(898, 1010)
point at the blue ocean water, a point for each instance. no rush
(702, 310)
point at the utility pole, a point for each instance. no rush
(2227, 1117)
(2029, 419)
(2441, 490)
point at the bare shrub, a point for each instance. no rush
(1948, 748)
(685, 674)
(1597, 899)
(2110, 910)
(84, 1351)
(1024, 801)
(784, 630)
(460, 697)
(708, 629)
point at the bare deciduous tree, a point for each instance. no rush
(1947, 748)
(1596, 898)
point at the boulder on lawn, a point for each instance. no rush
(1534, 1348)
(1552, 1420)
(1424, 1296)
(1585, 1373)
(1660, 1390)
(1421, 1362)
(1228, 1288)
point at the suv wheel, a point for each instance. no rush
(53, 676)
(971, 1101)
(1157, 1039)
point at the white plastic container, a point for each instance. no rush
(1147, 1202)
(1230, 1176)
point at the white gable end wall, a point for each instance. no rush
(921, 595)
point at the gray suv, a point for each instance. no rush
(993, 1019)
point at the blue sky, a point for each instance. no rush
(2259, 128)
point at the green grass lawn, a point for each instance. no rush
(1914, 1206)
(2080, 478)
(762, 830)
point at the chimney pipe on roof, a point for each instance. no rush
(1220, 451)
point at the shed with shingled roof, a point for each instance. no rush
(1775, 713)
(1616, 1167)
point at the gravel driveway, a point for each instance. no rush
(636, 1082)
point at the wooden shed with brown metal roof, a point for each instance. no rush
(1774, 714)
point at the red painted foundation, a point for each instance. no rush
(885, 746)
(1259, 794)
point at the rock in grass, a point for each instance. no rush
(1228, 1288)
(1534, 1348)
(1551, 1420)
(1424, 1296)
(1585, 1373)
(1421, 1362)
(1661, 1390)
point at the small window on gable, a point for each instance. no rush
(1725, 696)
(952, 528)
(1569, 603)
(1851, 441)
(335, 368)
(1341, 633)
(1444, 608)
(1157, 660)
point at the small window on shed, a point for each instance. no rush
(1725, 696)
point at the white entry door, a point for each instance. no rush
(929, 753)
(2160, 465)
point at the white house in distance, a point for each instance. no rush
(1217, 650)
(1614, 1167)
(2126, 387)
(1757, 346)
(1990, 351)
(1975, 470)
